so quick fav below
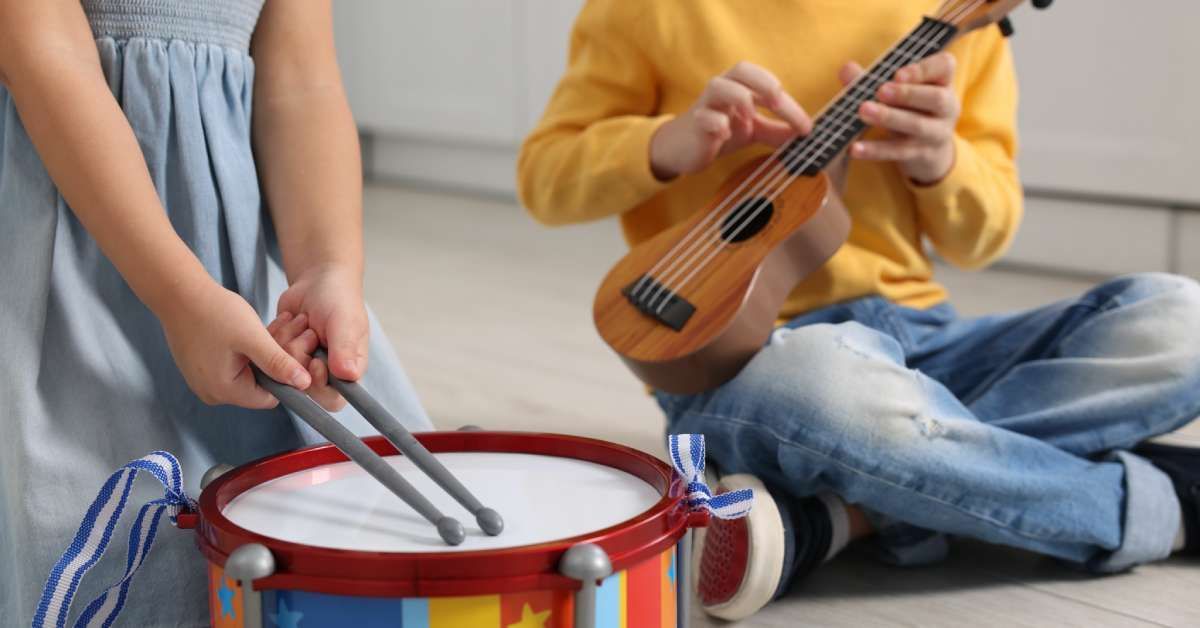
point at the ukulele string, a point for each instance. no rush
(814, 149)
(719, 242)
(949, 14)
(695, 237)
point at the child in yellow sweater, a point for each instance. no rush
(876, 410)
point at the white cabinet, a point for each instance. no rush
(544, 50)
(434, 69)
(1109, 100)
(448, 88)
(1107, 239)
(1108, 116)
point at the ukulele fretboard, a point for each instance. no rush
(839, 124)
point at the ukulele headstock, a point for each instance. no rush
(969, 15)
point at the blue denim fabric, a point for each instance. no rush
(1010, 428)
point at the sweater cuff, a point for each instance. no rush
(940, 195)
(639, 174)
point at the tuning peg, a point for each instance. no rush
(1006, 27)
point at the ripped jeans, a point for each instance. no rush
(1010, 429)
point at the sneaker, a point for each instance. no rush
(740, 563)
(1182, 465)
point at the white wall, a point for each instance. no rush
(1109, 100)
(447, 89)
(1108, 135)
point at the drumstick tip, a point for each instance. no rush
(489, 521)
(451, 530)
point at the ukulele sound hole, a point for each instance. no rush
(750, 217)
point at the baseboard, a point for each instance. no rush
(1090, 238)
(477, 168)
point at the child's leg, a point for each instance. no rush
(834, 407)
(1099, 373)
(1090, 375)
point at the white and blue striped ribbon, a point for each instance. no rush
(687, 456)
(93, 537)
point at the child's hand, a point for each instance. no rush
(921, 110)
(300, 341)
(214, 335)
(726, 118)
(328, 303)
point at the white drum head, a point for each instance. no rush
(542, 498)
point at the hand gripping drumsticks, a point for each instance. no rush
(489, 520)
(315, 416)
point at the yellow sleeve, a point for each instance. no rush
(972, 214)
(589, 156)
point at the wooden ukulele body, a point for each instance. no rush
(736, 295)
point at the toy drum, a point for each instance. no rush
(594, 537)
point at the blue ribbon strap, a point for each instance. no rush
(687, 456)
(94, 534)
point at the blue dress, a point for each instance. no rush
(86, 380)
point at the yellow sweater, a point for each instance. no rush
(635, 63)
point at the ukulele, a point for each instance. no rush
(687, 309)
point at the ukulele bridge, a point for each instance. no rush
(658, 302)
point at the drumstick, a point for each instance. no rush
(450, 529)
(489, 520)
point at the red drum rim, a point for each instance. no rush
(432, 574)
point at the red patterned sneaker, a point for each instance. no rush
(739, 563)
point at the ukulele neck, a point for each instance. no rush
(839, 124)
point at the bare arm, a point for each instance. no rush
(50, 65)
(306, 147)
(305, 140)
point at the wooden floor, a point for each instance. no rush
(491, 315)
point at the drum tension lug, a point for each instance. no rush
(213, 473)
(587, 563)
(250, 562)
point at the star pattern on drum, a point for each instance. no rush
(225, 594)
(530, 619)
(285, 618)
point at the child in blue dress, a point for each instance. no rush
(150, 219)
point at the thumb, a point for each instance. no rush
(268, 356)
(347, 344)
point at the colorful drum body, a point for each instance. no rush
(328, 546)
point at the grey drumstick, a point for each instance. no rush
(450, 529)
(489, 520)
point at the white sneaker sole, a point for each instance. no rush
(764, 562)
